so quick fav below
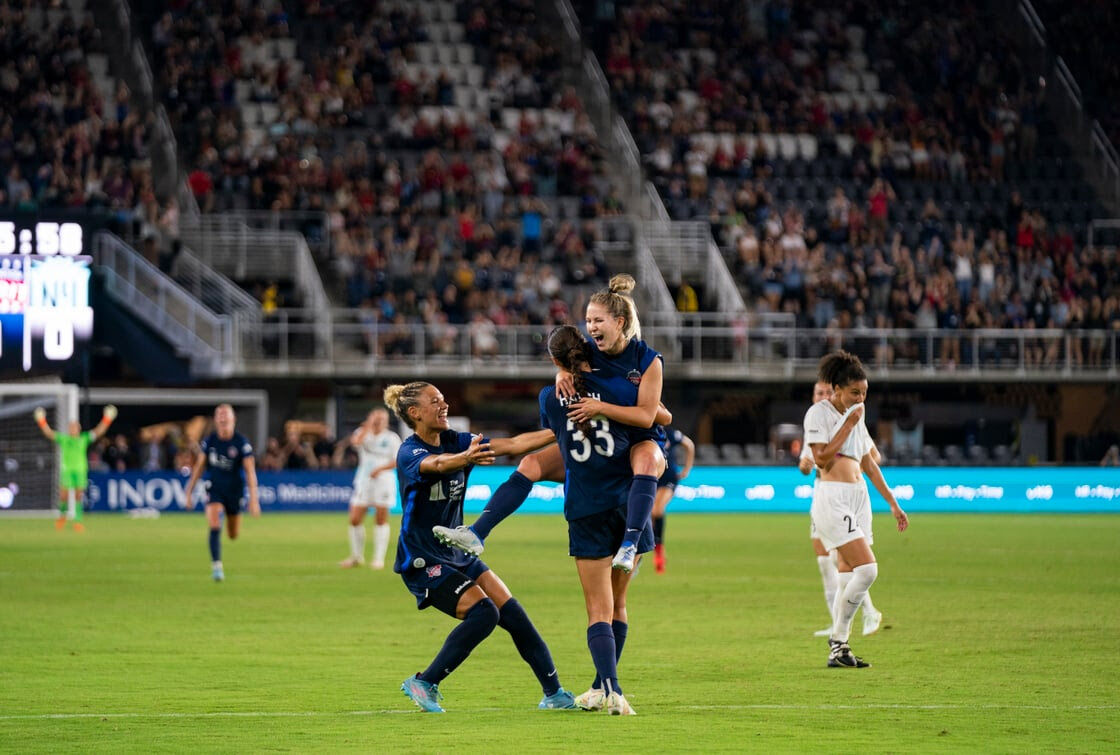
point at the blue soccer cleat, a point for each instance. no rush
(626, 557)
(425, 695)
(217, 572)
(561, 699)
(461, 538)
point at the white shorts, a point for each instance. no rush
(841, 513)
(380, 491)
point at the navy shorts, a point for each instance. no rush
(441, 584)
(669, 478)
(600, 535)
(230, 500)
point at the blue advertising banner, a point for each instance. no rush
(707, 489)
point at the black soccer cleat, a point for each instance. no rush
(841, 656)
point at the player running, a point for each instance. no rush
(227, 457)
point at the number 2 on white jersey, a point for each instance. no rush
(602, 428)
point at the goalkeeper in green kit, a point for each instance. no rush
(74, 471)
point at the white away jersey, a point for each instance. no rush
(377, 450)
(823, 420)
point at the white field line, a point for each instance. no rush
(336, 714)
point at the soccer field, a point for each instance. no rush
(1004, 635)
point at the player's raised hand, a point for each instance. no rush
(110, 412)
(565, 385)
(39, 414)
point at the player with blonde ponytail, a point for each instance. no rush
(433, 465)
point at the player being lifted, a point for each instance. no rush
(74, 470)
(227, 457)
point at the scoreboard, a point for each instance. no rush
(45, 314)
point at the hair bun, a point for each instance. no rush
(622, 283)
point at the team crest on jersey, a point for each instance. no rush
(434, 571)
(232, 452)
(634, 377)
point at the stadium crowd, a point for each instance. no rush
(357, 126)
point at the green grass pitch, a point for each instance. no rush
(1004, 637)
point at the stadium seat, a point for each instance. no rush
(732, 453)
(706, 453)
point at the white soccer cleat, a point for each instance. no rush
(627, 558)
(350, 563)
(617, 705)
(592, 699)
(377, 565)
(872, 621)
(461, 538)
(826, 632)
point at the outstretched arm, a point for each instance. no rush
(107, 416)
(523, 443)
(476, 453)
(40, 415)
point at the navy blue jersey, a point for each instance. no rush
(673, 438)
(428, 500)
(597, 471)
(623, 372)
(225, 464)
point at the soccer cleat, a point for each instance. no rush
(218, 573)
(79, 527)
(659, 559)
(625, 558)
(841, 656)
(350, 563)
(592, 699)
(561, 699)
(422, 693)
(617, 705)
(872, 621)
(60, 523)
(461, 538)
(826, 632)
(377, 565)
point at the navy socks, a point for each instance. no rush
(216, 544)
(530, 644)
(600, 641)
(475, 627)
(639, 505)
(506, 499)
(619, 629)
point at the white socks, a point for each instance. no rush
(357, 542)
(830, 580)
(849, 599)
(380, 542)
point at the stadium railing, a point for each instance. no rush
(205, 338)
(707, 346)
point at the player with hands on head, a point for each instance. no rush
(841, 508)
(433, 466)
(73, 471)
(227, 458)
